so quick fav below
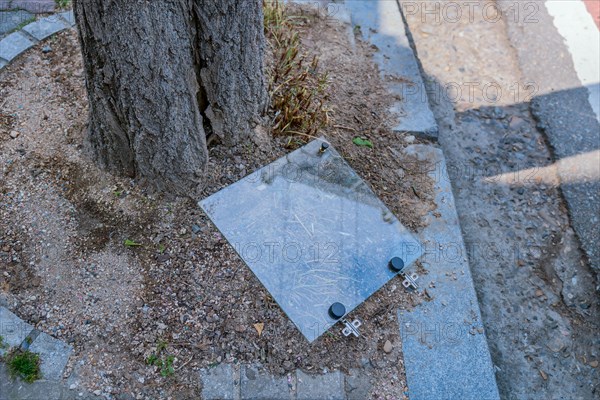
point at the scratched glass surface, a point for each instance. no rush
(313, 232)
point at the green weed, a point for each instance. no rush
(24, 364)
(162, 360)
(62, 4)
(131, 243)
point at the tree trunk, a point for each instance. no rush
(162, 75)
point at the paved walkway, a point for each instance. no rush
(27, 36)
(226, 382)
(17, 13)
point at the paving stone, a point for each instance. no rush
(445, 349)
(260, 385)
(68, 16)
(3, 64)
(12, 329)
(10, 20)
(54, 355)
(34, 6)
(358, 385)
(323, 387)
(15, 389)
(218, 383)
(381, 24)
(13, 45)
(45, 27)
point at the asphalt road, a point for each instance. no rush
(563, 108)
(521, 140)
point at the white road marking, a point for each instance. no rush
(582, 38)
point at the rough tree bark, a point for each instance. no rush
(162, 74)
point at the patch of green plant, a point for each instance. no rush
(362, 142)
(131, 243)
(162, 360)
(2, 344)
(63, 3)
(24, 364)
(297, 89)
(153, 360)
(167, 368)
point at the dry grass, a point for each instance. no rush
(297, 89)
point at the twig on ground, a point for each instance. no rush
(345, 127)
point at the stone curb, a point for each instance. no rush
(381, 23)
(21, 40)
(228, 382)
(446, 354)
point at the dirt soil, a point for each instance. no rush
(184, 292)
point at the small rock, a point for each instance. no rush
(250, 374)
(46, 49)
(388, 347)
(539, 293)
(14, 134)
(240, 328)
(288, 365)
(516, 122)
(196, 229)
(499, 113)
(594, 364)
(427, 29)
(72, 386)
(409, 139)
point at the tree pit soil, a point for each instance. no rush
(183, 292)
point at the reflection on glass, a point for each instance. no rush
(313, 233)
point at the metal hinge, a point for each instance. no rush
(410, 280)
(351, 328)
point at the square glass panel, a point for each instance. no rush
(313, 232)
